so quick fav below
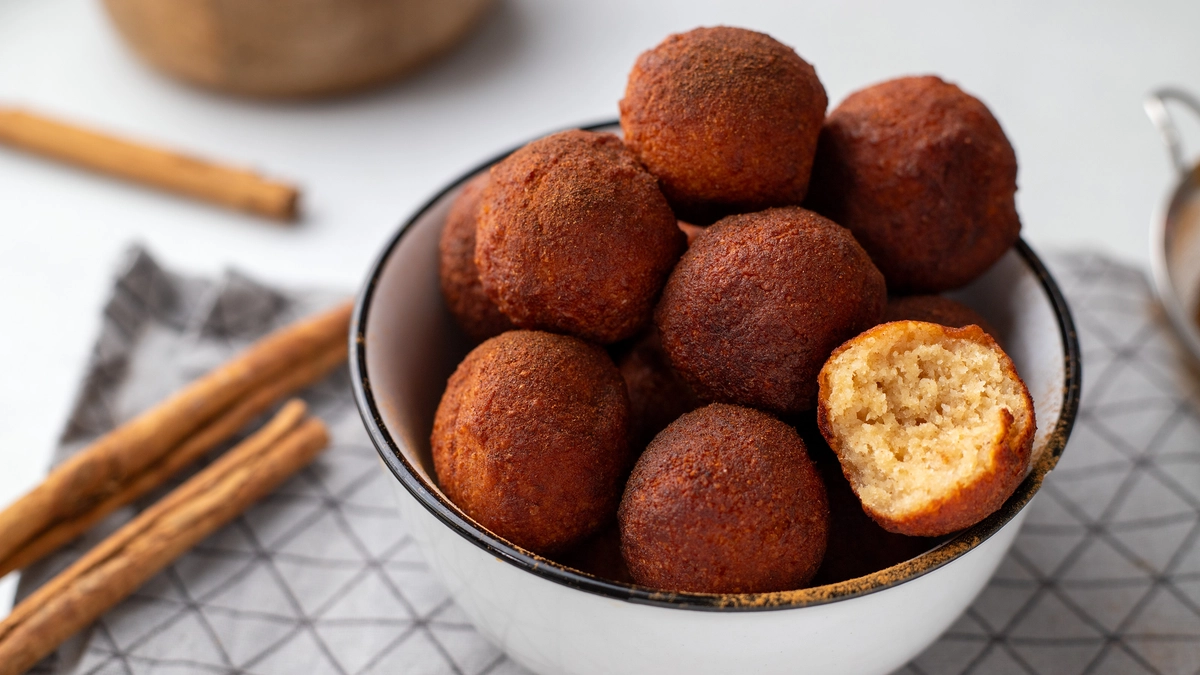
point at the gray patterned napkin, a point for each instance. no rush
(322, 577)
(1105, 575)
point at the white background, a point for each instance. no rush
(1065, 79)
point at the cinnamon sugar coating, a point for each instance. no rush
(475, 313)
(759, 301)
(924, 177)
(575, 237)
(658, 395)
(727, 119)
(725, 500)
(530, 438)
(934, 309)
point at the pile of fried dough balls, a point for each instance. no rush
(776, 399)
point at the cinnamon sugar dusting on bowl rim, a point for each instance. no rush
(909, 569)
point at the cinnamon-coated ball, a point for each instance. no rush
(530, 438)
(658, 395)
(759, 302)
(923, 175)
(725, 500)
(575, 237)
(475, 313)
(935, 309)
(727, 119)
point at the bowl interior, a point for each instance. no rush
(408, 345)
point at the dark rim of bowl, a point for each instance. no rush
(927, 562)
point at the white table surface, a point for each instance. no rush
(1065, 80)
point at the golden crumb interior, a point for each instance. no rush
(919, 414)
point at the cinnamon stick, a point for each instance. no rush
(131, 556)
(217, 431)
(234, 188)
(110, 463)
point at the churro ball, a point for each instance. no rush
(657, 394)
(727, 119)
(530, 438)
(576, 237)
(475, 313)
(759, 301)
(932, 425)
(935, 309)
(725, 500)
(924, 177)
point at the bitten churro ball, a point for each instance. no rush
(924, 177)
(657, 394)
(934, 309)
(530, 438)
(475, 313)
(932, 425)
(576, 237)
(759, 301)
(727, 119)
(725, 500)
(857, 545)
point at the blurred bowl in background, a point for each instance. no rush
(292, 48)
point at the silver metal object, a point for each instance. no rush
(1175, 231)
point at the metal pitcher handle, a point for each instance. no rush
(1156, 109)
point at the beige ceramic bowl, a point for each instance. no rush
(291, 48)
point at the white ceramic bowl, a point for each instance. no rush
(555, 620)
